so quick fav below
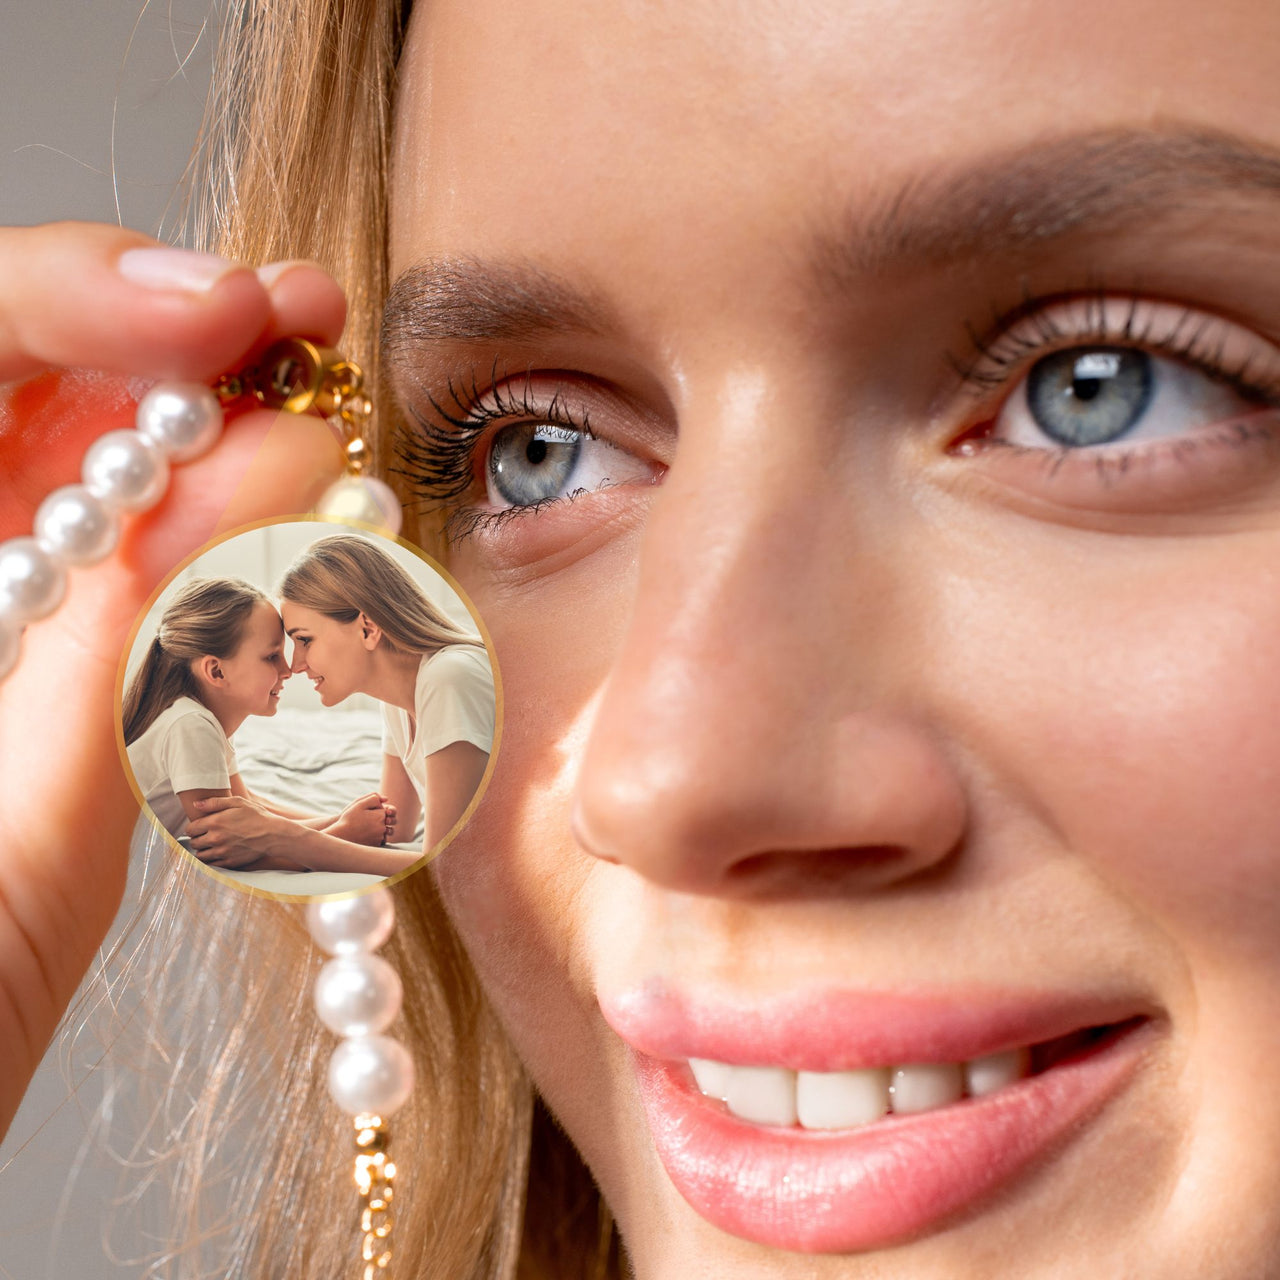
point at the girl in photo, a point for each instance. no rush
(858, 426)
(216, 659)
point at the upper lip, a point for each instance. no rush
(845, 1030)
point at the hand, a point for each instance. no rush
(235, 831)
(65, 303)
(369, 820)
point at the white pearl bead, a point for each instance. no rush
(184, 419)
(10, 647)
(362, 498)
(370, 1073)
(358, 995)
(352, 924)
(32, 582)
(75, 527)
(126, 471)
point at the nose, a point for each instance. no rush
(756, 733)
(299, 663)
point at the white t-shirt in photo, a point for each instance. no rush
(453, 701)
(183, 749)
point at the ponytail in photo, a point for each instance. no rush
(206, 618)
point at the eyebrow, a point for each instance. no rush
(1001, 205)
(1016, 199)
(470, 300)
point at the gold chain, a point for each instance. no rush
(299, 376)
(375, 1175)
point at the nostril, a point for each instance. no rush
(802, 873)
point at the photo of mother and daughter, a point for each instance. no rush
(349, 616)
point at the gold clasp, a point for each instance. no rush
(297, 375)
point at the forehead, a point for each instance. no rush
(613, 134)
(265, 626)
(297, 618)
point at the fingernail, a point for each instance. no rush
(180, 270)
(272, 272)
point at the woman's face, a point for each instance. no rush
(331, 654)
(255, 673)
(875, 502)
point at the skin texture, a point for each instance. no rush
(835, 696)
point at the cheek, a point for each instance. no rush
(514, 882)
(514, 887)
(1139, 709)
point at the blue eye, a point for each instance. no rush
(1095, 397)
(1090, 396)
(530, 462)
(534, 462)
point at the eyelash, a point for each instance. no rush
(1005, 348)
(439, 458)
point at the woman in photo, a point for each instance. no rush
(858, 426)
(217, 658)
(360, 624)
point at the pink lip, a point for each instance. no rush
(843, 1030)
(863, 1188)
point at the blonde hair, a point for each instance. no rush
(207, 617)
(296, 144)
(344, 576)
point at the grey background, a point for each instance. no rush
(100, 102)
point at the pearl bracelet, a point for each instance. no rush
(127, 472)
(358, 995)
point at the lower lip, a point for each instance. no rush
(848, 1190)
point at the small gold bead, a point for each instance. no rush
(357, 408)
(229, 388)
(357, 455)
(371, 1140)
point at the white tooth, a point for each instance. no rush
(841, 1099)
(712, 1077)
(921, 1086)
(763, 1095)
(986, 1075)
